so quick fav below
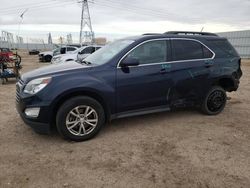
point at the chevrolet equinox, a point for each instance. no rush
(132, 76)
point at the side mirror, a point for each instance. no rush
(129, 61)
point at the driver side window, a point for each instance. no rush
(150, 52)
(88, 50)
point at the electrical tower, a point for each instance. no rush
(9, 38)
(86, 32)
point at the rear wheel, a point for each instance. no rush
(215, 101)
(80, 118)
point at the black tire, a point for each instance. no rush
(215, 101)
(47, 58)
(64, 112)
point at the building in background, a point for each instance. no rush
(240, 40)
(100, 40)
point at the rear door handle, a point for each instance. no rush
(209, 63)
(163, 71)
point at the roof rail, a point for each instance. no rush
(190, 33)
(152, 34)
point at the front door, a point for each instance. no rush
(146, 85)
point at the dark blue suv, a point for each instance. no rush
(132, 76)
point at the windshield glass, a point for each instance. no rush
(56, 51)
(76, 51)
(107, 52)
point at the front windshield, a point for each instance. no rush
(56, 51)
(78, 50)
(107, 52)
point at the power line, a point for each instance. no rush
(22, 5)
(151, 12)
(45, 6)
(137, 10)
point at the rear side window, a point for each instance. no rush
(70, 49)
(88, 50)
(189, 50)
(63, 50)
(150, 52)
(224, 48)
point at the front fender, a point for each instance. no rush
(82, 85)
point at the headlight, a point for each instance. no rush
(36, 85)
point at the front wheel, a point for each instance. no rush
(80, 118)
(47, 58)
(215, 101)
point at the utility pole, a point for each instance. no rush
(69, 38)
(86, 32)
(50, 39)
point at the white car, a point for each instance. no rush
(47, 56)
(78, 54)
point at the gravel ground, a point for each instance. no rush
(170, 149)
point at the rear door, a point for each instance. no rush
(192, 63)
(146, 85)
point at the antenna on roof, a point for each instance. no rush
(202, 29)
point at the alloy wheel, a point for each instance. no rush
(81, 120)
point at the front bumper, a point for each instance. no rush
(41, 57)
(41, 128)
(40, 124)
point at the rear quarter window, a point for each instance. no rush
(223, 48)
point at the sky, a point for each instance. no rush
(118, 18)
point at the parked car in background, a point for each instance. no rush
(34, 52)
(132, 76)
(76, 55)
(47, 56)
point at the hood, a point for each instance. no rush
(65, 56)
(53, 69)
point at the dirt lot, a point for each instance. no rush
(173, 149)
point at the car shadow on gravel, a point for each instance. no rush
(134, 122)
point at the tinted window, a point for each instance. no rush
(150, 52)
(70, 49)
(224, 48)
(63, 50)
(187, 50)
(88, 50)
(206, 52)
